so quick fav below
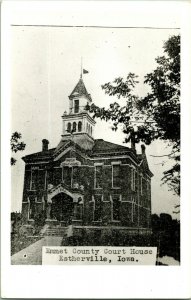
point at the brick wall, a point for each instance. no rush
(138, 215)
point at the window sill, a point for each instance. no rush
(115, 188)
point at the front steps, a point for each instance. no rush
(54, 231)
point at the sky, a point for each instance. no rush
(45, 67)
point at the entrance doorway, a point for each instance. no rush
(62, 208)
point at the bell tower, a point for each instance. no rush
(78, 125)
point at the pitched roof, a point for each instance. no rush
(80, 90)
(39, 155)
(101, 145)
(61, 145)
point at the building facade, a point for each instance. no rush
(85, 181)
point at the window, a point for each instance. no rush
(133, 179)
(27, 180)
(41, 179)
(141, 184)
(74, 127)
(49, 178)
(136, 181)
(144, 191)
(69, 127)
(32, 183)
(34, 179)
(97, 207)
(79, 126)
(57, 176)
(133, 210)
(98, 177)
(116, 207)
(76, 106)
(116, 176)
(32, 209)
(75, 176)
(78, 210)
(67, 173)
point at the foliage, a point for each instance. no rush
(165, 236)
(39, 221)
(16, 145)
(166, 232)
(155, 116)
(15, 216)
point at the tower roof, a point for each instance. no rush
(80, 90)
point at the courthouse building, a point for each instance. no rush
(84, 181)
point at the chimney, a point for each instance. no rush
(133, 144)
(132, 138)
(45, 145)
(143, 149)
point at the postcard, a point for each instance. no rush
(94, 187)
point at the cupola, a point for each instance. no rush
(78, 125)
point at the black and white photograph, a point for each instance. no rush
(94, 137)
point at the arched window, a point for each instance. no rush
(76, 106)
(69, 128)
(74, 127)
(79, 126)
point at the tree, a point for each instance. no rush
(16, 145)
(155, 116)
(166, 235)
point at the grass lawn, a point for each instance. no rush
(19, 242)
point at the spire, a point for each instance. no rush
(81, 69)
(80, 90)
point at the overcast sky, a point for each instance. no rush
(45, 67)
